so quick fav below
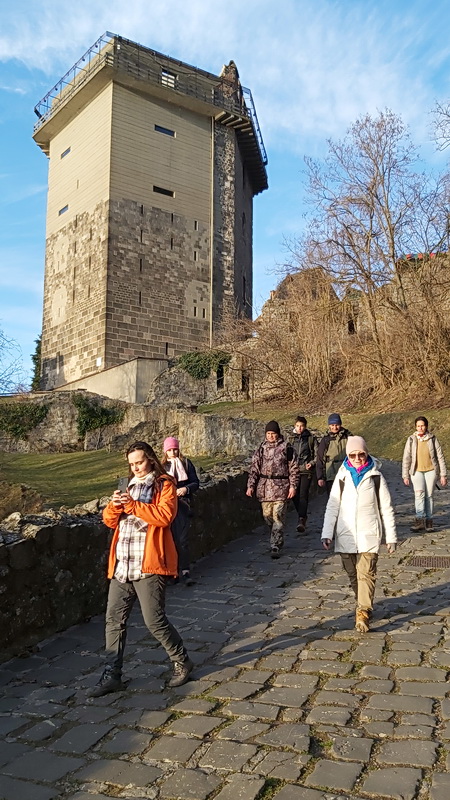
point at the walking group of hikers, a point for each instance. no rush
(359, 508)
(150, 517)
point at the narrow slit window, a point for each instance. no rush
(195, 255)
(204, 313)
(63, 210)
(65, 152)
(141, 234)
(140, 298)
(162, 190)
(172, 218)
(89, 262)
(195, 224)
(171, 243)
(141, 264)
(167, 348)
(167, 131)
(195, 311)
(74, 247)
(142, 209)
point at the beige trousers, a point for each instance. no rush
(361, 568)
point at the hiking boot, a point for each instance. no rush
(275, 552)
(109, 682)
(186, 579)
(418, 525)
(301, 524)
(362, 620)
(181, 672)
(429, 525)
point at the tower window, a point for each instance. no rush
(204, 313)
(141, 264)
(141, 233)
(195, 255)
(167, 348)
(167, 131)
(162, 190)
(63, 210)
(140, 298)
(142, 209)
(171, 242)
(195, 311)
(168, 78)
(65, 153)
(195, 224)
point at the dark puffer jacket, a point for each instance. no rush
(305, 447)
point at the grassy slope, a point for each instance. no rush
(71, 478)
(385, 433)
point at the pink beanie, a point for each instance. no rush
(171, 444)
(356, 444)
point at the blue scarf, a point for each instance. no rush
(358, 474)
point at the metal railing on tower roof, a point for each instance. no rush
(190, 81)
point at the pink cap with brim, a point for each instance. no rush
(171, 444)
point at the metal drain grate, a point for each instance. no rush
(430, 562)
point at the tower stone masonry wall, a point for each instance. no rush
(155, 284)
(75, 298)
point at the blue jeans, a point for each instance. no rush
(423, 483)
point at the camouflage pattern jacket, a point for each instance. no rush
(274, 471)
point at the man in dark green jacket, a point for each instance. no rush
(331, 452)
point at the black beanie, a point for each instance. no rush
(274, 427)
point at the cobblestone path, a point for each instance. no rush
(287, 699)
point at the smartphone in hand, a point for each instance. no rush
(122, 485)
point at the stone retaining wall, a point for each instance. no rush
(200, 434)
(53, 567)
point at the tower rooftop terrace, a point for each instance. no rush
(137, 67)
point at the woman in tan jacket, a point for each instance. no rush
(423, 464)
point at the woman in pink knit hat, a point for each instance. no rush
(359, 512)
(183, 470)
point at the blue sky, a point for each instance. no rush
(313, 67)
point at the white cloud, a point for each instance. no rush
(313, 66)
(12, 89)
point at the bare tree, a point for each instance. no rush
(11, 370)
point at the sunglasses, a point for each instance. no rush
(361, 456)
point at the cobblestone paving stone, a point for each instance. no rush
(287, 700)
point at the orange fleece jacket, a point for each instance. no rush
(160, 555)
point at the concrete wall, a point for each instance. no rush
(53, 571)
(128, 382)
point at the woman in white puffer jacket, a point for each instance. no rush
(358, 511)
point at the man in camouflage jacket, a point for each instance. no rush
(274, 475)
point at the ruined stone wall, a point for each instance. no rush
(202, 434)
(53, 569)
(73, 333)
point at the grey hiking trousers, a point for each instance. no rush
(150, 591)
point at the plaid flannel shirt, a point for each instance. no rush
(132, 533)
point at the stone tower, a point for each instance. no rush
(153, 165)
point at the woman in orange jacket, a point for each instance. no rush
(141, 559)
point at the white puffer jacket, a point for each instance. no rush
(355, 520)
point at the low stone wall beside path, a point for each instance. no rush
(53, 566)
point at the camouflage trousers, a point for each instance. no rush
(274, 513)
